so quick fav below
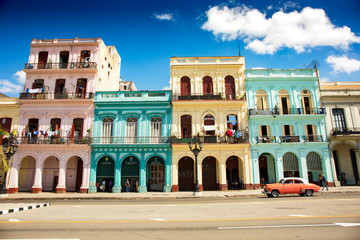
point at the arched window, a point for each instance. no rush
(107, 130)
(185, 86)
(55, 124)
(314, 167)
(306, 101)
(186, 126)
(291, 166)
(232, 122)
(207, 86)
(131, 130)
(209, 127)
(261, 100)
(310, 131)
(156, 124)
(284, 101)
(230, 87)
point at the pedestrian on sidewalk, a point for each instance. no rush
(127, 185)
(324, 182)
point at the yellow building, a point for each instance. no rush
(9, 119)
(209, 100)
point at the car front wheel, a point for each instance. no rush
(308, 192)
(275, 193)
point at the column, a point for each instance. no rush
(142, 180)
(85, 178)
(332, 163)
(175, 177)
(279, 166)
(117, 176)
(255, 169)
(302, 165)
(61, 188)
(357, 157)
(37, 187)
(222, 177)
(167, 187)
(92, 181)
(325, 162)
(14, 176)
(199, 173)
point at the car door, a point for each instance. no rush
(289, 186)
(298, 185)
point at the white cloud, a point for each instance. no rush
(8, 87)
(164, 16)
(343, 64)
(324, 79)
(166, 88)
(20, 76)
(298, 30)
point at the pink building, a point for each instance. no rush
(57, 112)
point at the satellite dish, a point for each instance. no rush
(313, 65)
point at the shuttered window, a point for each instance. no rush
(290, 162)
(313, 162)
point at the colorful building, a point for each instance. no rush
(57, 111)
(209, 101)
(287, 125)
(342, 103)
(131, 141)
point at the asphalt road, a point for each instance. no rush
(331, 216)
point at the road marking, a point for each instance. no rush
(292, 226)
(45, 239)
(257, 203)
(158, 219)
(296, 215)
(77, 206)
(14, 220)
(185, 221)
(170, 205)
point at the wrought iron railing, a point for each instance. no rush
(52, 140)
(213, 139)
(66, 65)
(344, 131)
(313, 138)
(198, 97)
(67, 95)
(287, 139)
(130, 140)
(288, 111)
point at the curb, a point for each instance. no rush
(24, 208)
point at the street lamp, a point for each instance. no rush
(196, 149)
(9, 148)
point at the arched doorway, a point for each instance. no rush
(155, 170)
(345, 162)
(209, 174)
(74, 170)
(232, 173)
(50, 176)
(27, 174)
(186, 174)
(185, 87)
(291, 166)
(314, 167)
(267, 168)
(207, 86)
(105, 174)
(130, 170)
(186, 126)
(230, 87)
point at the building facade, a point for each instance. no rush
(342, 103)
(9, 119)
(287, 125)
(131, 141)
(209, 101)
(57, 112)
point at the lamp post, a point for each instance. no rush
(9, 148)
(196, 149)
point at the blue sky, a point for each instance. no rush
(271, 34)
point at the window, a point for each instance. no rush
(5, 124)
(131, 130)
(43, 57)
(310, 131)
(306, 101)
(64, 59)
(288, 181)
(55, 124)
(207, 86)
(38, 83)
(33, 124)
(186, 126)
(261, 100)
(339, 119)
(107, 129)
(232, 122)
(298, 181)
(60, 90)
(284, 101)
(209, 125)
(155, 134)
(81, 88)
(230, 87)
(185, 87)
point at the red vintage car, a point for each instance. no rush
(291, 185)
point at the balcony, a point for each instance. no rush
(313, 138)
(66, 65)
(290, 111)
(130, 140)
(344, 131)
(36, 95)
(266, 139)
(289, 139)
(197, 97)
(213, 139)
(53, 140)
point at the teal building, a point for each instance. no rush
(131, 135)
(286, 125)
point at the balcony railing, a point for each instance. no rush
(289, 139)
(313, 138)
(213, 139)
(53, 140)
(66, 65)
(197, 97)
(289, 111)
(67, 95)
(344, 131)
(266, 139)
(130, 140)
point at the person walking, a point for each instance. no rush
(127, 185)
(324, 182)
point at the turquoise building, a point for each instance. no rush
(131, 141)
(286, 125)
